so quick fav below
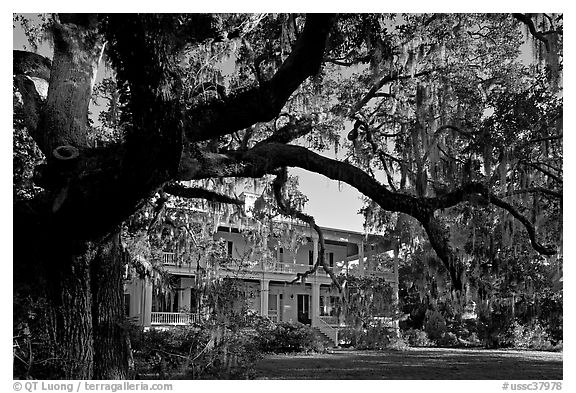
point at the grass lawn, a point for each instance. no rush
(415, 363)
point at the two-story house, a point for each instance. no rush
(313, 302)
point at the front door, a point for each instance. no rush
(304, 309)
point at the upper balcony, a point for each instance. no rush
(285, 271)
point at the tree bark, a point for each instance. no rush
(111, 351)
(70, 300)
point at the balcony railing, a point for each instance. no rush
(169, 259)
(172, 318)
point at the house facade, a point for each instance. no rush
(313, 301)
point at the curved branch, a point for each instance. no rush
(544, 171)
(265, 102)
(200, 193)
(390, 77)
(289, 132)
(31, 64)
(277, 186)
(535, 33)
(462, 194)
(265, 159)
(29, 67)
(542, 190)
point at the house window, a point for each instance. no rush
(230, 246)
(311, 257)
(334, 306)
(323, 306)
(273, 307)
(331, 259)
(281, 255)
(127, 304)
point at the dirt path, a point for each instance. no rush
(416, 363)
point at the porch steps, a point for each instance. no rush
(328, 342)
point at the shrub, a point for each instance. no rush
(435, 324)
(533, 336)
(398, 344)
(287, 337)
(373, 337)
(349, 337)
(448, 339)
(194, 352)
(417, 338)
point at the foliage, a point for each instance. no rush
(375, 336)
(417, 338)
(434, 325)
(366, 299)
(207, 351)
(533, 336)
(287, 337)
(34, 356)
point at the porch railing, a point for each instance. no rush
(172, 318)
(329, 319)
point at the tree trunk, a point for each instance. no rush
(439, 237)
(70, 301)
(85, 295)
(110, 345)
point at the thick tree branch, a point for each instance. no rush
(266, 159)
(31, 64)
(265, 102)
(463, 193)
(544, 171)
(179, 190)
(545, 138)
(31, 74)
(289, 132)
(387, 78)
(535, 33)
(542, 190)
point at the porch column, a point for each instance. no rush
(395, 294)
(368, 266)
(315, 303)
(315, 250)
(264, 289)
(361, 258)
(146, 316)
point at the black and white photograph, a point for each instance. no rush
(287, 196)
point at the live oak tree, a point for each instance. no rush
(440, 110)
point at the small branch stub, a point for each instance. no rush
(66, 156)
(66, 153)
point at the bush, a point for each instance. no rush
(287, 337)
(398, 344)
(533, 336)
(194, 352)
(373, 337)
(448, 339)
(435, 325)
(417, 338)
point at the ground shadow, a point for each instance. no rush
(415, 363)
